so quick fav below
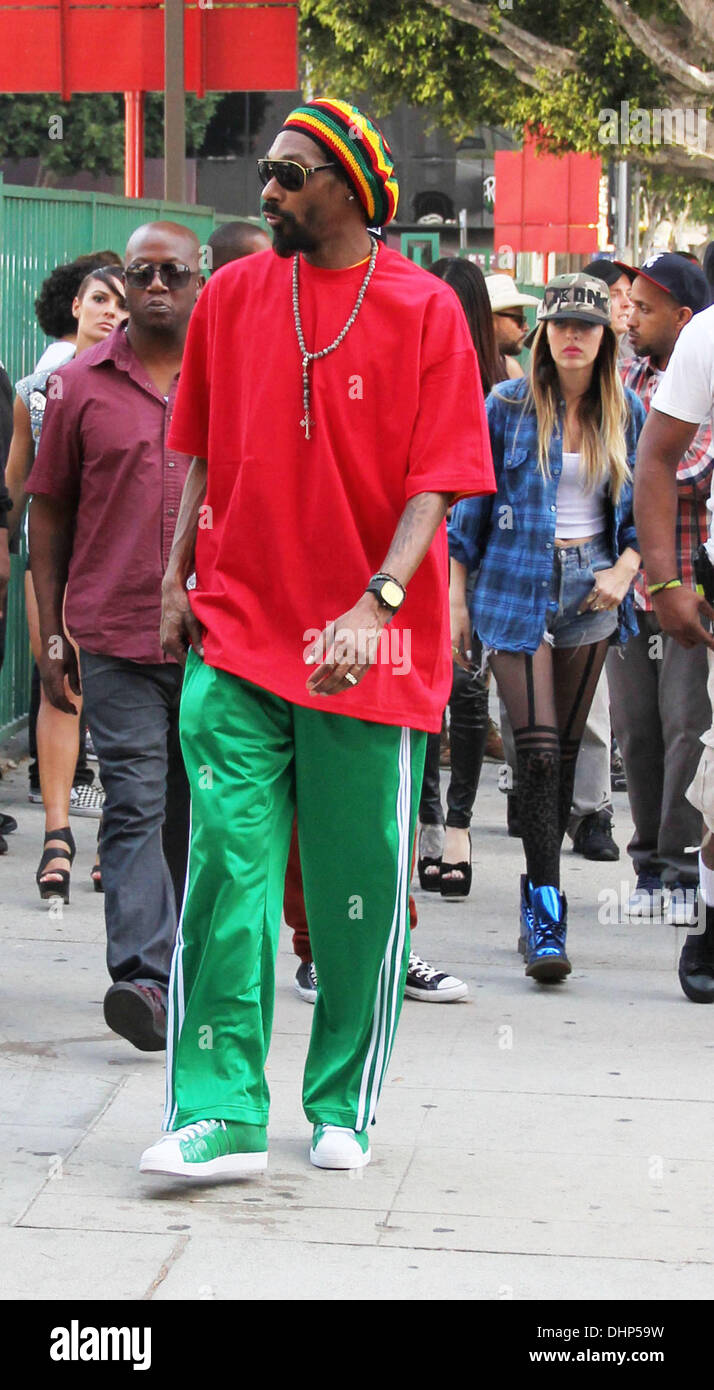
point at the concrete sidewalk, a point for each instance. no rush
(531, 1142)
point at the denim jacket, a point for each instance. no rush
(509, 537)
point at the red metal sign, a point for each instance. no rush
(71, 46)
(546, 202)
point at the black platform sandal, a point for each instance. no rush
(56, 887)
(456, 888)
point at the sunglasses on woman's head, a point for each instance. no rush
(287, 172)
(173, 274)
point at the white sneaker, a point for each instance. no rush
(433, 986)
(336, 1147)
(202, 1150)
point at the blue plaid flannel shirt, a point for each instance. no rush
(509, 537)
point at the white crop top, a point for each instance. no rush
(579, 513)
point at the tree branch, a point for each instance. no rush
(691, 78)
(535, 52)
(700, 14)
(508, 61)
(700, 165)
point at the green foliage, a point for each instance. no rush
(420, 55)
(414, 54)
(91, 133)
(87, 133)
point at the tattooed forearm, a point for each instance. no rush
(415, 532)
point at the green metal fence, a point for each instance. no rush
(40, 228)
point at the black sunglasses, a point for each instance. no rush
(520, 319)
(287, 172)
(173, 274)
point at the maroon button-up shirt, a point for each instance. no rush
(103, 451)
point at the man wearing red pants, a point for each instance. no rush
(331, 397)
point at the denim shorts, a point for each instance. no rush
(574, 569)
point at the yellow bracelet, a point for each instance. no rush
(666, 584)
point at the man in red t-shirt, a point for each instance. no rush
(330, 395)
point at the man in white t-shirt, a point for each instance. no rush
(684, 398)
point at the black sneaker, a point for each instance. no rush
(593, 838)
(305, 982)
(432, 986)
(137, 1013)
(7, 824)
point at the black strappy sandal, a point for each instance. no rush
(456, 888)
(56, 887)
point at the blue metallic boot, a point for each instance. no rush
(526, 926)
(546, 959)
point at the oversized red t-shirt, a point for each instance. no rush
(293, 528)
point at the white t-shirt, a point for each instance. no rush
(686, 390)
(579, 513)
(55, 356)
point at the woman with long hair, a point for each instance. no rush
(95, 308)
(555, 555)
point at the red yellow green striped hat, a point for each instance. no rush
(359, 146)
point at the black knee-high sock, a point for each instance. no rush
(538, 764)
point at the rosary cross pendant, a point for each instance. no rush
(305, 423)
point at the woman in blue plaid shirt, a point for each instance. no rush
(555, 555)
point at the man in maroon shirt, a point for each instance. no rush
(106, 493)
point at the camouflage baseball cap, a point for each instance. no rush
(575, 296)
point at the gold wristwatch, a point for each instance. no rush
(388, 591)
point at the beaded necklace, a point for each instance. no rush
(308, 357)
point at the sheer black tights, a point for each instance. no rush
(548, 697)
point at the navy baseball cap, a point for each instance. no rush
(685, 281)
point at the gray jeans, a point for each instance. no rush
(132, 711)
(660, 707)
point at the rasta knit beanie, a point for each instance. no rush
(353, 141)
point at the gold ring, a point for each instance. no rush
(455, 650)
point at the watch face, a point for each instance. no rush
(391, 593)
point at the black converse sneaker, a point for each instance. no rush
(433, 986)
(305, 982)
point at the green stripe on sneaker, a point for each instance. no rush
(209, 1139)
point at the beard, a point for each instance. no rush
(512, 349)
(291, 235)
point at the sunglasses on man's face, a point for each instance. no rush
(173, 274)
(287, 172)
(520, 319)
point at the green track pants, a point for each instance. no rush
(252, 758)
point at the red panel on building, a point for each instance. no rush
(546, 202)
(118, 45)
